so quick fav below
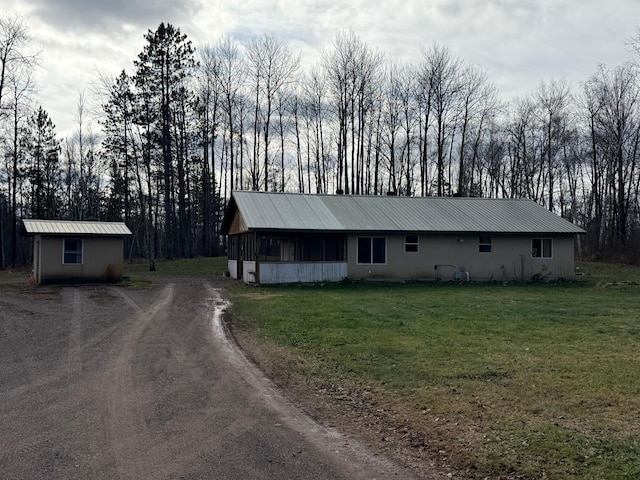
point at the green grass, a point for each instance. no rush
(11, 277)
(532, 380)
(179, 266)
(137, 272)
(518, 381)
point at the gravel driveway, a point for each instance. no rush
(135, 383)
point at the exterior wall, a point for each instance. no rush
(232, 265)
(249, 271)
(102, 260)
(457, 256)
(294, 272)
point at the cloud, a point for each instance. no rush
(518, 42)
(91, 15)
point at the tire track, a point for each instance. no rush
(74, 360)
(127, 402)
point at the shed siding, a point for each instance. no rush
(102, 260)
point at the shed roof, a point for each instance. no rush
(66, 227)
(357, 213)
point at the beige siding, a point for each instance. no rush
(510, 258)
(102, 260)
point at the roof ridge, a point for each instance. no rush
(355, 195)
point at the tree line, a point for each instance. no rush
(186, 126)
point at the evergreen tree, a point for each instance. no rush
(42, 150)
(162, 71)
(119, 147)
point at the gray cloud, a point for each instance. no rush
(518, 42)
(90, 15)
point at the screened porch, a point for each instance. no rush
(287, 258)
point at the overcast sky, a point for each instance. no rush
(518, 43)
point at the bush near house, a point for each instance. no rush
(505, 380)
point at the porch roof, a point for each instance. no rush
(263, 211)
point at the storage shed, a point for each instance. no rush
(285, 238)
(75, 251)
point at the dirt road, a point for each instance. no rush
(143, 383)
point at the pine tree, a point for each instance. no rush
(162, 70)
(43, 173)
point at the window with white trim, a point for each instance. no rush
(484, 244)
(411, 243)
(72, 251)
(542, 248)
(372, 250)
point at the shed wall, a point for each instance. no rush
(102, 260)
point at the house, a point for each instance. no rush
(286, 238)
(66, 251)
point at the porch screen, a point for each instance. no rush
(303, 249)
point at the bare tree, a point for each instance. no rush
(273, 66)
(315, 93)
(522, 147)
(553, 100)
(14, 52)
(478, 103)
(16, 84)
(209, 98)
(391, 126)
(613, 98)
(20, 87)
(444, 80)
(230, 77)
(351, 68)
(82, 170)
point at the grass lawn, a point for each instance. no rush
(140, 269)
(517, 381)
(178, 266)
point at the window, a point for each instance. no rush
(411, 243)
(72, 251)
(541, 248)
(372, 250)
(484, 244)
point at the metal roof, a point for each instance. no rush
(358, 213)
(65, 227)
